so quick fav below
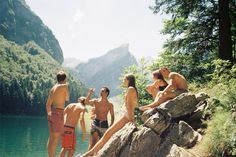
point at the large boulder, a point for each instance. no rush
(183, 135)
(175, 151)
(181, 105)
(158, 122)
(144, 142)
(160, 135)
(116, 143)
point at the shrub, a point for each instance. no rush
(220, 138)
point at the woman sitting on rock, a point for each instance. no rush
(130, 103)
(159, 84)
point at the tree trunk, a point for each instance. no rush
(225, 39)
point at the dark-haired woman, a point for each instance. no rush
(159, 84)
(130, 103)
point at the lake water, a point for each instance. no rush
(25, 136)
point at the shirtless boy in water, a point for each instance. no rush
(55, 108)
(73, 112)
(177, 86)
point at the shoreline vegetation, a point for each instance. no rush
(201, 46)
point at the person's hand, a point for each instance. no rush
(84, 137)
(142, 108)
(49, 113)
(91, 90)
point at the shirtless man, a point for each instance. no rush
(72, 114)
(176, 86)
(101, 109)
(55, 108)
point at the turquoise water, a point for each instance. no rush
(26, 136)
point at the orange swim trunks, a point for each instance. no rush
(68, 138)
(56, 120)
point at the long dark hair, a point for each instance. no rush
(131, 79)
(157, 74)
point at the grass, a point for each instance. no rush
(220, 137)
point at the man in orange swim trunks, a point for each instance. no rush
(55, 108)
(72, 113)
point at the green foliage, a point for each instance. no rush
(193, 42)
(223, 71)
(194, 26)
(19, 24)
(220, 138)
(27, 74)
(186, 64)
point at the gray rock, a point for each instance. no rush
(183, 135)
(176, 151)
(119, 140)
(202, 96)
(144, 142)
(181, 105)
(159, 121)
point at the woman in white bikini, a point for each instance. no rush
(130, 103)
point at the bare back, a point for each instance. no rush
(101, 109)
(178, 81)
(73, 112)
(59, 95)
(131, 99)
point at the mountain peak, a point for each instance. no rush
(125, 46)
(20, 24)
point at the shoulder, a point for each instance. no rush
(173, 75)
(83, 109)
(69, 106)
(110, 104)
(95, 100)
(131, 90)
(62, 86)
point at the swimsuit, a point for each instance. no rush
(99, 126)
(68, 138)
(161, 88)
(56, 120)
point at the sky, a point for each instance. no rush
(89, 28)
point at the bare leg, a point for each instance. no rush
(160, 98)
(110, 131)
(52, 143)
(71, 153)
(90, 141)
(95, 139)
(63, 151)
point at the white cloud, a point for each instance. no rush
(73, 26)
(78, 16)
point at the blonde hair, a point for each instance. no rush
(82, 100)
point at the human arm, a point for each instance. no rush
(49, 103)
(171, 86)
(88, 99)
(112, 114)
(67, 93)
(82, 124)
(151, 89)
